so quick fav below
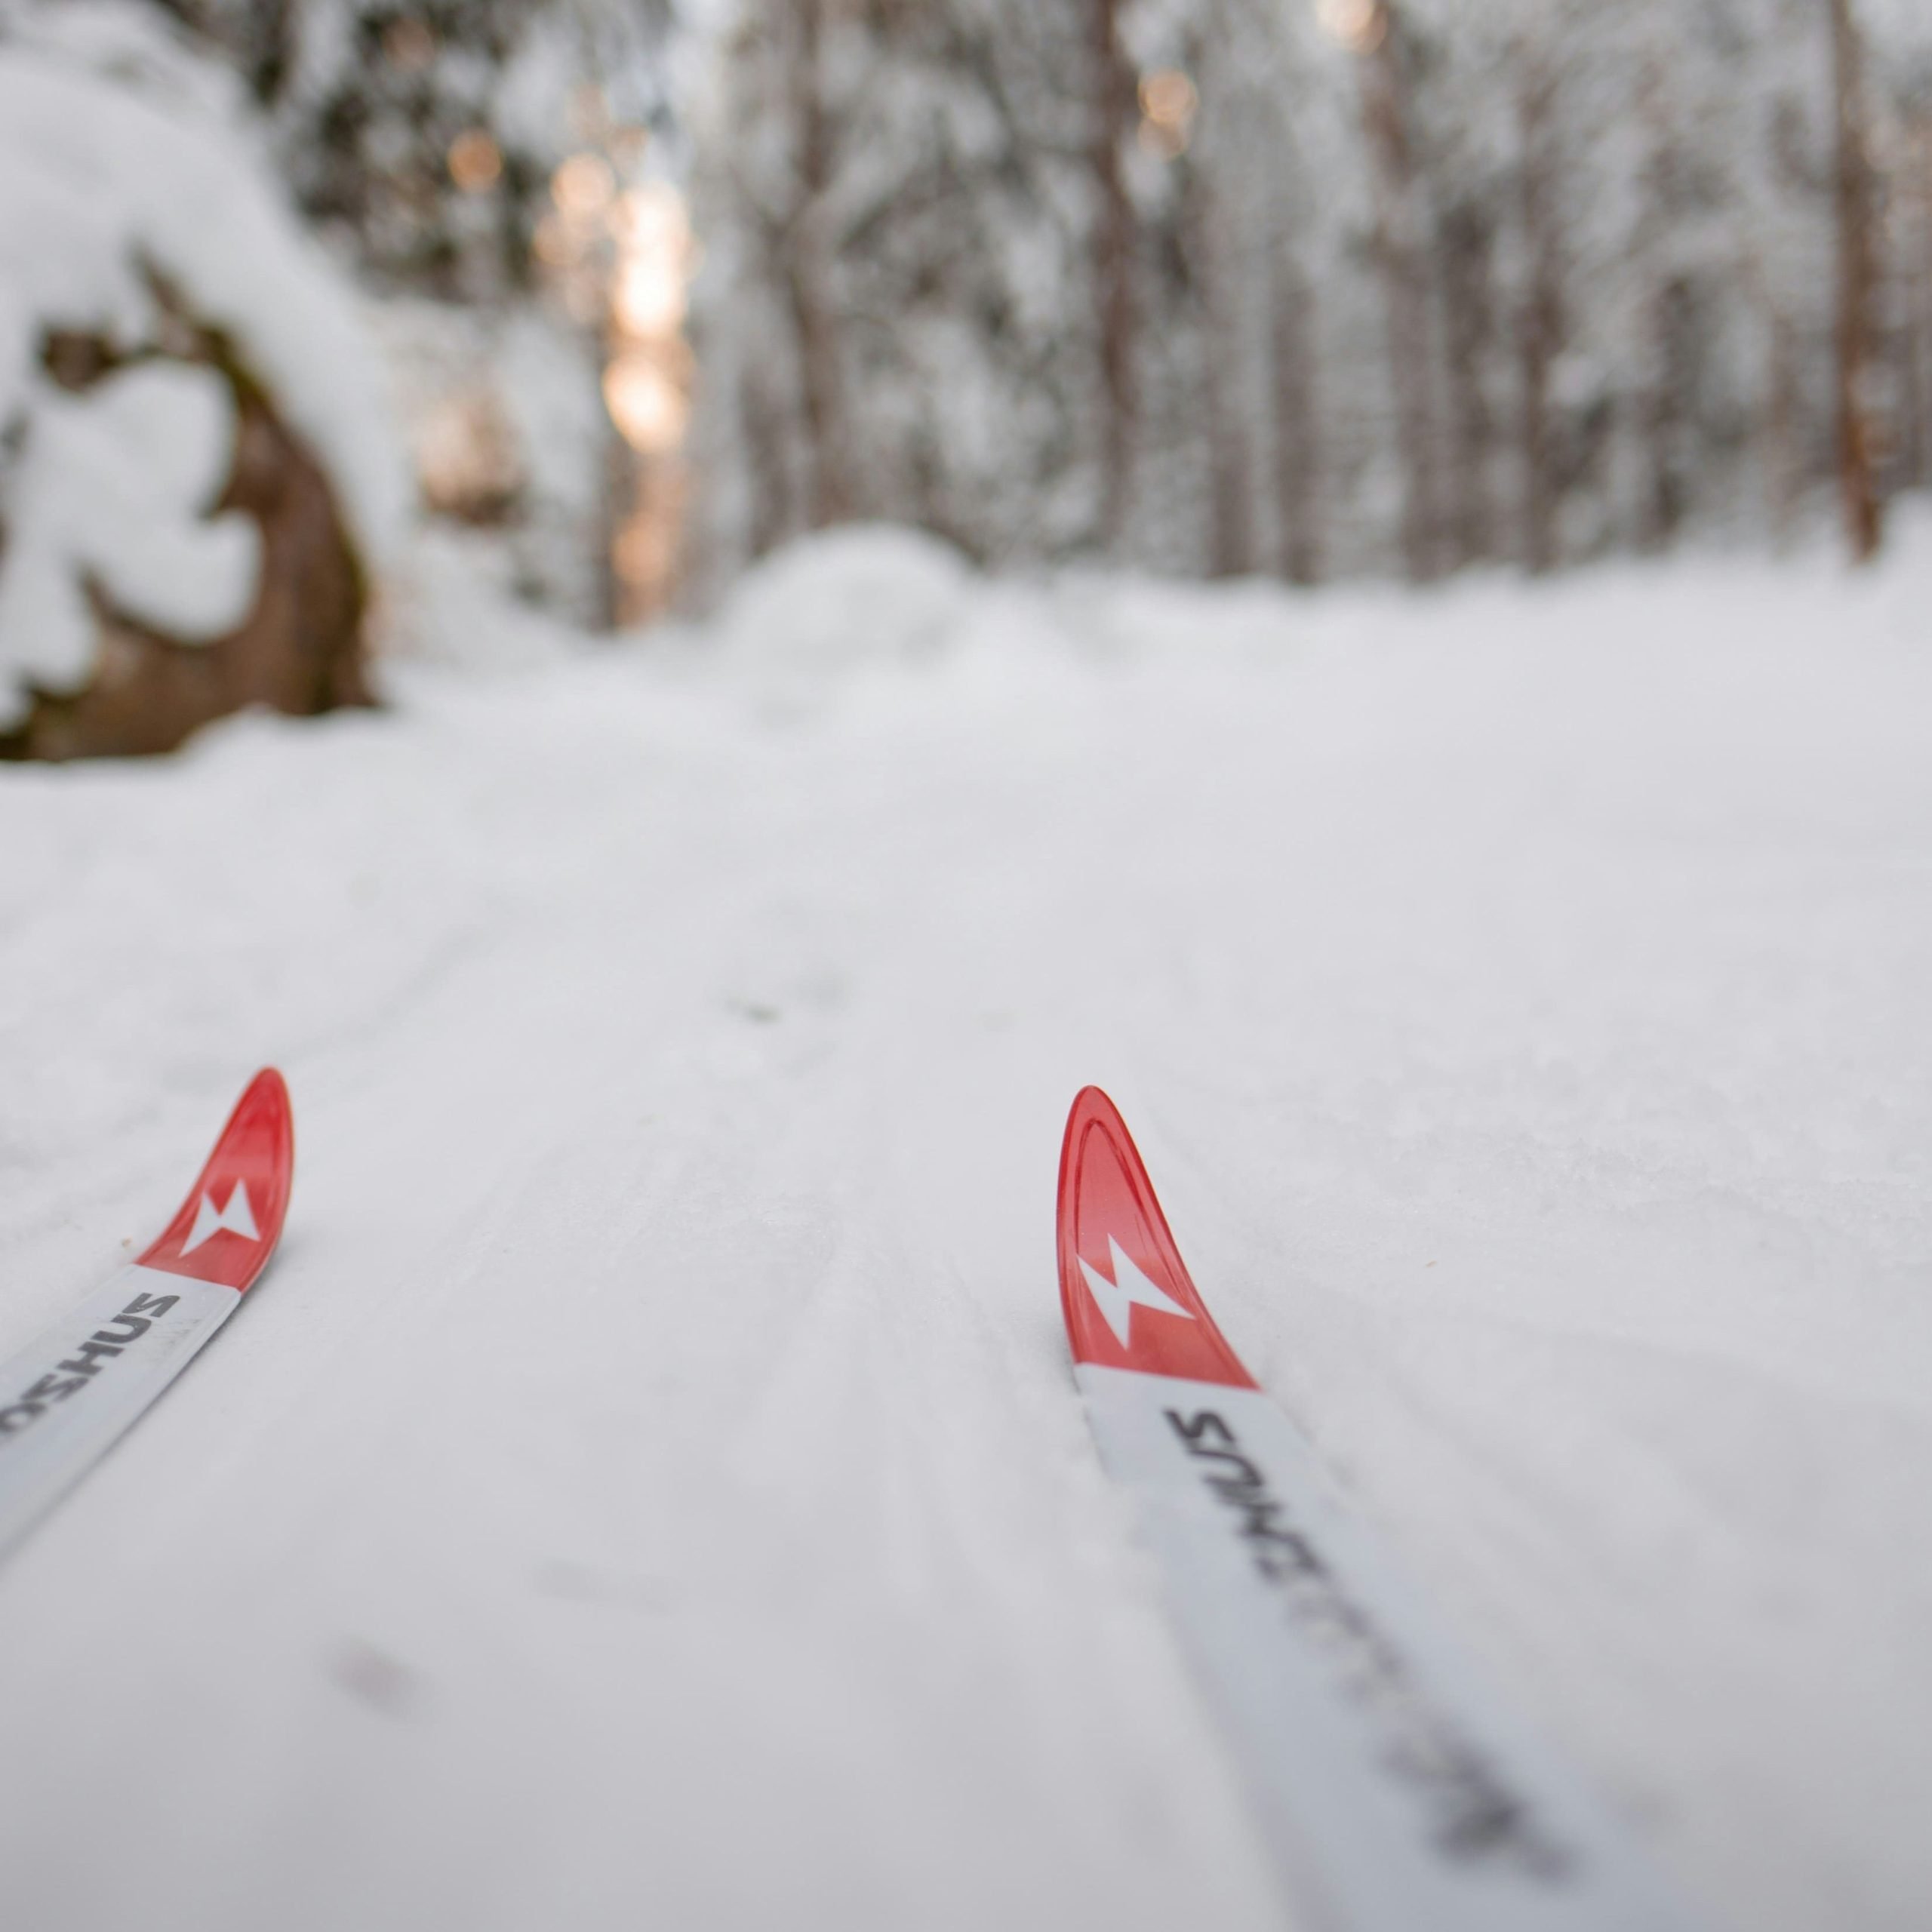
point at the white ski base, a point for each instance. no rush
(1396, 1791)
(71, 1393)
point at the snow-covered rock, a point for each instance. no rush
(112, 490)
(138, 217)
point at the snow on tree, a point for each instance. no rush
(197, 482)
(424, 136)
(1350, 285)
(896, 317)
(423, 141)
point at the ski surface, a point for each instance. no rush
(69, 1394)
(1396, 1791)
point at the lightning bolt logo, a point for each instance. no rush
(237, 1218)
(1116, 1299)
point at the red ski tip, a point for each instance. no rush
(1123, 1288)
(228, 1227)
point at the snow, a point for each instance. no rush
(868, 594)
(649, 1488)
(120, 181)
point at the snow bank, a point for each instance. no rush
(649, 1489)
(117, 182)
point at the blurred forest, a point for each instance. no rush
(1357, 286)
(1311, 288)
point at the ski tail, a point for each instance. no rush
(228, 1226)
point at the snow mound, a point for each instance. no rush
(129, 203)
(867, 593)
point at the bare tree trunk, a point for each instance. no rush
(1909, 247)
(1217, 274)
(1399, 252)
(771, 517)
(1540, 322)
(1666, 413)
(617, 502)
(1784, 461)
(1912, 458)
(1665, 401)
(1920, 149)
(1858, 292)
(1465, 243)
(1230, 496)
(1112, 122)
(829, 493)
(1923, 300)
(1297, 424)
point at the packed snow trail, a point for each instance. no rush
(653, 1492)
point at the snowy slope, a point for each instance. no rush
(649, 1490)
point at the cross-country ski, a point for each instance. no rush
(69, 1394)
(1399, 1794)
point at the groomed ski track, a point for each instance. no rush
(649, 1489)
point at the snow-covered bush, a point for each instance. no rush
(198, 480)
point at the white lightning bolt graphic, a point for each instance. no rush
(237, 1217)
(1115, 1299)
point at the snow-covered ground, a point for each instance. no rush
(649, 1490)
